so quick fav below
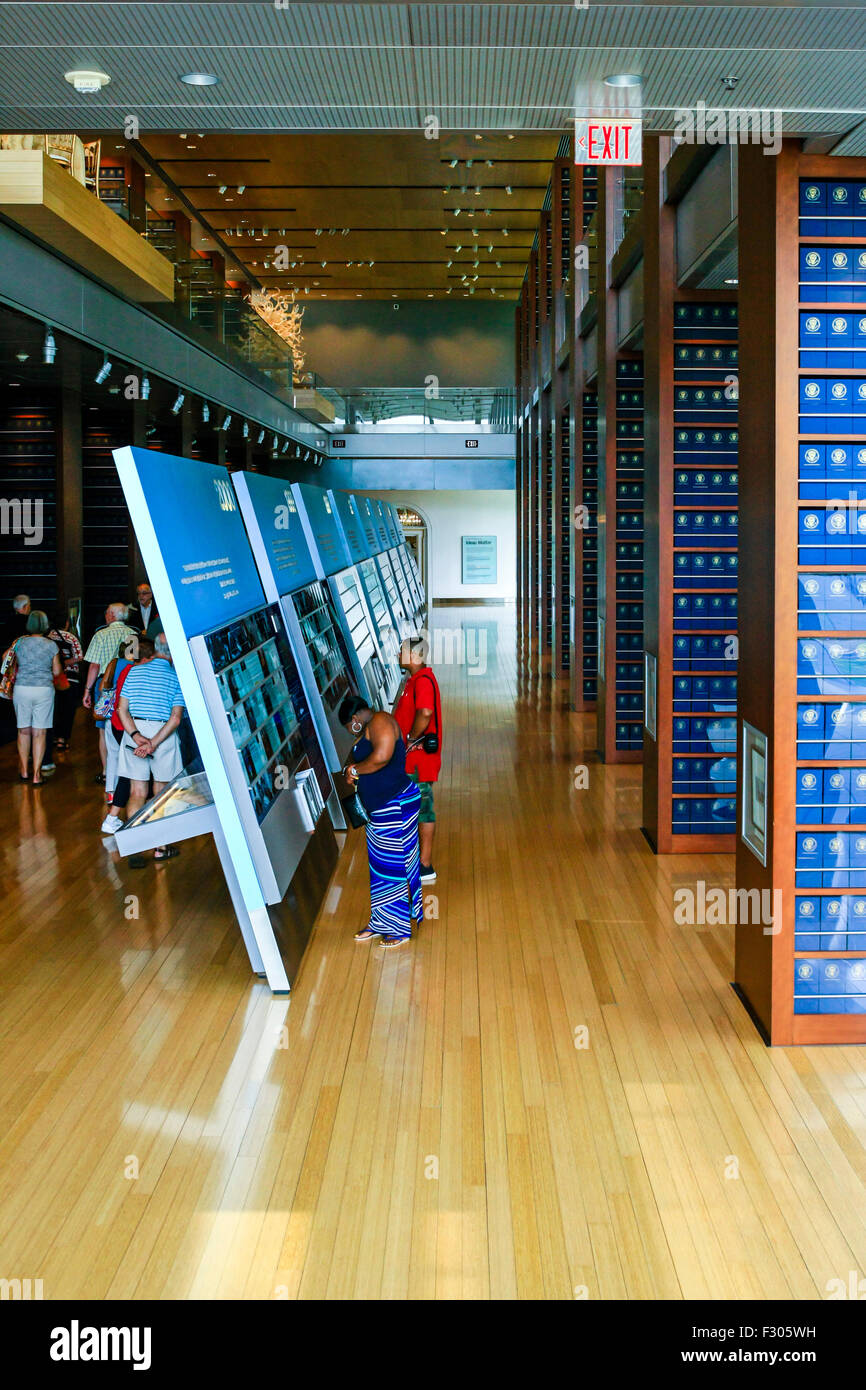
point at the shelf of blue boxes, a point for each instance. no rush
(629, 553)
(548, 571)
(565, 539)
(588, 577)
(830, 869)
(706, 491)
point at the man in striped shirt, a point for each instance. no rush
(151, 707)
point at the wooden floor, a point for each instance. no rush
(421, 1124)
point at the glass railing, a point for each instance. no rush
(409, 410)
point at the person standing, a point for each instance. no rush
(104, 646)
(66, 701)
(378, 770)
(147, 610)
(419, 714)
(118, 789)
(33, 694)
(150, 707)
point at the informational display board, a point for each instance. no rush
(381, 519)
(323, 528)
(373, 537)
(349, 519)
(479, 560)
(250, 715)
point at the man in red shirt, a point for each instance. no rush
(419, 714)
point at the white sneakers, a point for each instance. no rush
(111, 825)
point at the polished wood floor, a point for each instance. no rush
(420, 1124)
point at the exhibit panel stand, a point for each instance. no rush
(264, 782)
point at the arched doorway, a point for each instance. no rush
(416, 531)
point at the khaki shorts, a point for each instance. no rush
(164, 765)
(427, 815)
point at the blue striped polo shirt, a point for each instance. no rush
(153, 690)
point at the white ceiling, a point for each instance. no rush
(388, 66)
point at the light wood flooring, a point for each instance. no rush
(420, 1124)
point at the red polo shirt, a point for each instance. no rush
(422, 692)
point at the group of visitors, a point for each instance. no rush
(393, 767)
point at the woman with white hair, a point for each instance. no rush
(33, 694)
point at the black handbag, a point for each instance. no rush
(353, 809)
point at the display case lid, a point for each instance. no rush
(349, 516)
(325, 528)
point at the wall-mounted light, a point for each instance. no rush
(103, 373)
(145, 388)
(246, 429)
(226, 422)
(261, 438)
(178, 405)
(205, 412)
(49, 348)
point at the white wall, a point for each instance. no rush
(451, 515)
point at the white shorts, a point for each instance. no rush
(112, 754)
(163, 765)
(34, 705)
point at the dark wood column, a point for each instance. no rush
(70, 510)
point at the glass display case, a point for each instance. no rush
(392, 594)
(348, 590)
(265, 706)
(325, 645)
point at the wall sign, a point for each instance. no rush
(753, 823)
(607, 142)
(479, 560)
(471, 443)
(338, 443)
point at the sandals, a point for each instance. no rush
(395, 945)
(24, 777)
(166, 852)
(364, 935)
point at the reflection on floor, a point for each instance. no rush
(553, 1092)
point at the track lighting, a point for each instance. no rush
(508, 189)
(286, 447)
(457, 250)
(103, 373)
(226, 422)
(319, 231)
(246, 430)
(505, 231)
(242, 188)
(276, 444)
(145, 388)
(49, 348)
(469, 163)
(205, 412)
(454, 163)
(224, 188)
(176, 408)
(261, 437)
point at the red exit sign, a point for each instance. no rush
(607, 142)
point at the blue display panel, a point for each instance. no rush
(202, 539)
(706, 491)
(370, 525)
(588, 577)
(349, 517)
(629, 554)
(565, 541)
(327, 532)
(382, 528)
(282, 532)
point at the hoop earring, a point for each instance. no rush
(356, 728)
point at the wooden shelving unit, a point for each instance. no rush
(797, 635)
(29, 488)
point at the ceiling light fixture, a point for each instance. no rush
(224, 188)
(242, 188)
(87, 81)
(732, 281)
(226, 422)
(22, 356)
(205, 412)
(103, 373)
(454, 163)
(623, 79)
(49, 348)
(178, 405)
(145, 388)
(200, 79)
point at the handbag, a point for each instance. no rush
(430, 742)
(8, 672)
(61, 682)
(103, 705)
(354, 811)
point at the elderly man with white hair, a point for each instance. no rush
(150, 708)
(104, 647)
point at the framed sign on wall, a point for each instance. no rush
(479, 560)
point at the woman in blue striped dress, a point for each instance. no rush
(392, 801)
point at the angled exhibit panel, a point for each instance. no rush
(264, 780)
(348, 514)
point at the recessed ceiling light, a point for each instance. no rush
(733, 281)
(200, 79)
(623, 79)
(87, 80)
